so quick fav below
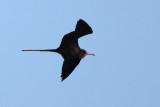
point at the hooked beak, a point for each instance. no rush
(90, 54)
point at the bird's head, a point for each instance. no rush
(83, 53)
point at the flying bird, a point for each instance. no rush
(70, 50)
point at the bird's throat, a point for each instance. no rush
(83, 56)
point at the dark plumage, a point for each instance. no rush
(69, 48)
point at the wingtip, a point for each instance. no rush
(62, 78)
(81, 20)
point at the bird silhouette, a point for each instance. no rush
(70, 50)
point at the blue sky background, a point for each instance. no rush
(124, 73)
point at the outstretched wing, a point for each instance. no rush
(68, 67)
(82, 28)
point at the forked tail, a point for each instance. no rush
(49, 50)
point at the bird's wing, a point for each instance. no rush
(82, 29)
(68, 67)
(69, 40)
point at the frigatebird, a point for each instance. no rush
(70, 50)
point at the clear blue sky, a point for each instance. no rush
(124, 73)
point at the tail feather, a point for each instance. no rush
(49, 50)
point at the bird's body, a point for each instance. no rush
(69, 48)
